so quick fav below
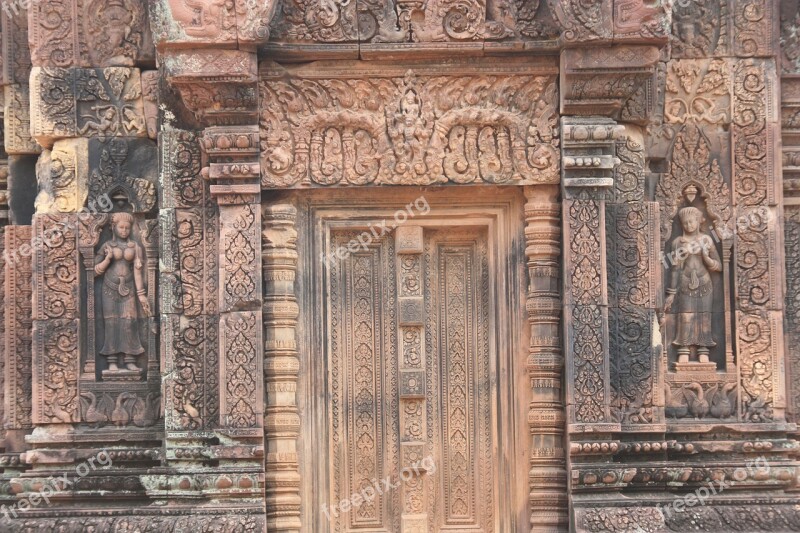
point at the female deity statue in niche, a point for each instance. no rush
(690, 294)
(120, 262)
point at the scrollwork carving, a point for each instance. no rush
(409, 130)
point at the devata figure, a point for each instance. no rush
(120, 263)
(690, 294)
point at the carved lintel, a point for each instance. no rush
(619, 82)
(403, 129)
(218, 86)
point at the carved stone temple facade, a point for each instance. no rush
(400, 266)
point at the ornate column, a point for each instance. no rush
(548, 474)
(281, 368)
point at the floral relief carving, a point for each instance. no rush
(126, 167)
(408, 130)
(755, 254)
(792, 232)
(17, 339)
(344, 22)
(698, 91)
(699, 28)
(241, 403)
(587, 320)
(241, 273)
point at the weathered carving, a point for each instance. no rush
(75, 33)
(465, 21)
(281, 367)
(109, 102)
(234, 518)
(403, 130)
(122, 409)
(690, 294)
(545, 365)
(55, 313)
(694, 188)
(700, 29)
(17, 121)
(698, 91)
(584, 21)
(634, 280)
(619, 82)
(63, 177)
(620, 519)
(218, 86)
(124, 168)
(754, 25)
(120, 263)
(792, 233)
(150, 100)
(16, 63)
(240, 268)
(641, 20)
(759, 316)
(790, 36)
(241, 394)
(87, 102)
(52, 105)
(17, 338)
(193, 22)
(192, 380)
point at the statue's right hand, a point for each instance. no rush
(109, 253)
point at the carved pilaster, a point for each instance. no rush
(230, 154)
(634, 277)
(757, 245)
(17, 307)
(281, 366)
(588, 159)
(545, 365)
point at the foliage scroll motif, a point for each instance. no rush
(17, 339)
(792, 230)
(587, 315)
(398, 21)
(756, 259)
(409, 130)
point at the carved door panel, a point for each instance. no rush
(412, 396)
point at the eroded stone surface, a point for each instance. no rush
(320, 244)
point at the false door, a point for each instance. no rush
(412, 381)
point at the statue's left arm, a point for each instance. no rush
(710, 255)
(138, 279)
